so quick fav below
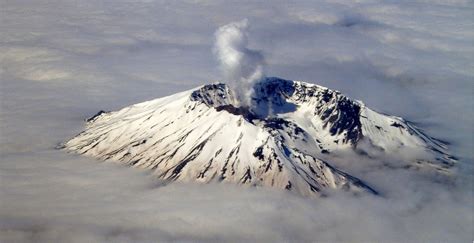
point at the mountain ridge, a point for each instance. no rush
(204, 135)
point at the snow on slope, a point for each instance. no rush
(204, 135)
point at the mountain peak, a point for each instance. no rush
(273, 96)
(285, 139)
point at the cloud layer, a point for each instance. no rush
(61, 62)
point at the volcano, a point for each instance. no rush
(285, 139)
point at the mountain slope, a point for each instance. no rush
(204, 135)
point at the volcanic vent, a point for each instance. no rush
(204, 135)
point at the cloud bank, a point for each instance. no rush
(242, 66)
(61, 62)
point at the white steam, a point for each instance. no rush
(242, 66)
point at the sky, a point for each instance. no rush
(62, 61)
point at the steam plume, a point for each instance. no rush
(242, 66)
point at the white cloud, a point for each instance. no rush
(412, 59)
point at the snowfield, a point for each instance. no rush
(284, 140)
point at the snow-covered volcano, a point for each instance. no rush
(285, 140)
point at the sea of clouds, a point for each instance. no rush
(62, 61)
